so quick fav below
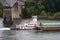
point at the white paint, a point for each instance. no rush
(30, 25)
(34, 20)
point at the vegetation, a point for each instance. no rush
(42, 7)
(1, 10)
(38, 7)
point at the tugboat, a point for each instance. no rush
(28, 25)
(31, 24)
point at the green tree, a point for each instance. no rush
(1, 10)
(34, 7)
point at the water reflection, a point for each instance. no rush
(1, 23)
(29, 34)
(34, 35)
(7, 35)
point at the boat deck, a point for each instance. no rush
(49, 26)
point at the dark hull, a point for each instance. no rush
(21, 29)
(49, 28)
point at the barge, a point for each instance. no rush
(43, 27)
(49, 27)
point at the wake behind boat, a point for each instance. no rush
(5, 28)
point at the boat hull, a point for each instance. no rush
(22, 29)
(49, 28)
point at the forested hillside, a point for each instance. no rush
(39, 7)
(1, 10)
(42, 7)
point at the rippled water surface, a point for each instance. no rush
(29, 34)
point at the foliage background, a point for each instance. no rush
(38, 7)
(41, 7)
(1, 10)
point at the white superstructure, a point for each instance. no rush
(31, 24)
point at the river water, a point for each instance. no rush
(29, 34)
